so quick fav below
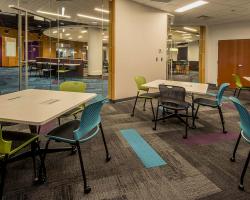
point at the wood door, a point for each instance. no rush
(233, 57)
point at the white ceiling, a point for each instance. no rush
(73, 7)
(73, 33)
(218, 11)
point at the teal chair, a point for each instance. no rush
(143, 93)
(239, 85)
(11, 144)
(76, 132)
(213, 103)
(72, 86)
(245, 133)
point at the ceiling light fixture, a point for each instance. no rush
(92, 17)
(84, 31)
(54, 32)
(63, 11)
(191, 6)
(53, 14)
(190, 29)
(67, 34)
(102, 10)
(177, 31)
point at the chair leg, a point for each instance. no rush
(222, 119)
(186, 129)
(195, 115)
(235, 91)
(151, 102)
(144, 105)
(133, 112)
(59, 121)
(3, 174)
(241, 186)
(239, 93)
(87, 189)
(156, 117)
(235, 148)
(42, 176)
(108, 157)
(33, 151)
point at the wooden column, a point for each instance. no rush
(202, 54)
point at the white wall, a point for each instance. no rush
(140, 32)
(193, 51)
(240, 30)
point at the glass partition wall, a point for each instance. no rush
(183, 54)
(56, 41)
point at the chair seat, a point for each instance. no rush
(175, 105)
(65, 132)
(19, 139)
(150, 95)
(206, 102)
(63, 71)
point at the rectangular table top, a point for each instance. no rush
(37, 107)
(246, 78)
(196, 88)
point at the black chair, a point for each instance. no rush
(173, 98)
(216, 103)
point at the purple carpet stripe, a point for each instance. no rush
(210, 138)
(228, 106)
(45, 129)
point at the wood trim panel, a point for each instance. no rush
(202, 50)
(111, 81)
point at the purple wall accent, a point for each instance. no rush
(210, 138)
(33, 50)
(1, 51)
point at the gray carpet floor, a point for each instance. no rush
(197, 168)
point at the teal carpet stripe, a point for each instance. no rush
(149, 157)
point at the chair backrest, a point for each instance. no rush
(90, 117)
(5, 146)
(140, 80)
(237, 80)
(169, 92)
(73, 86)
(244, 117)
(221, 91)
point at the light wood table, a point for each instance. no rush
(247, 78)
(194, 88)
(37, 107)
(190, 87)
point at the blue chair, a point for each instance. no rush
(76, 132)
(216, 103)
(245, 133)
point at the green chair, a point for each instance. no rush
(238, 85)
(72, 86)
(11, 143)
(140, 80)
(62, 71)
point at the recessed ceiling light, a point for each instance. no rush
(67, 34)
(84, 31)
(102, 10)
(54, 32)
(92, 17)
(177, 31)
(190, 29)
(63, 30)
(191, 6)
(53, 14)
(63, 11)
